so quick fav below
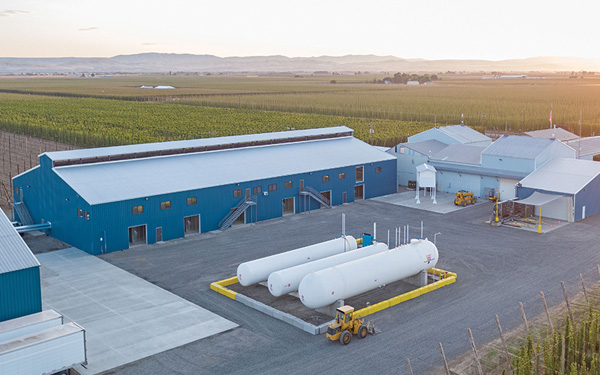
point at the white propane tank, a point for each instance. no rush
(287, 280)
(258, 270)
(322, 288)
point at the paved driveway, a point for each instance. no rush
(497, 268)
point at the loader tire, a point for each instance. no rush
(363, 331)
(345, 337)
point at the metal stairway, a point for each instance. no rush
(313, 193)
(239, 209)
(23, 213)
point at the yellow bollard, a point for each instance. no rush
(540, 220)
(497, 199)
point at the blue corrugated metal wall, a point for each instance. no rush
(20, 293)
(213, 204)
(48, 197)
(588, 197)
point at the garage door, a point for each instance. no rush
(506, 187)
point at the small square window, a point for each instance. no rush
(191, 201)
(402, 150)
(272, 187)
(377, 169)
(79, 212)
(256, 190)
(86, 215)
(288, 184)
(342, 176)
(137, 210)
(165, 205)
(237, 193)
(326, 178)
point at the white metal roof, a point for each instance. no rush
(518, 146)
(586, 146)
(120, 180)
(556, 133)
(162, 146)
(459, 153)
(14, 253)
(425, 167)
(463, 134)
(562, 175)
(428, 147)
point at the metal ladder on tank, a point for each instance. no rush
(237, 211)
(313, 193)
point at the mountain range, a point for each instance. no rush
(168, 62)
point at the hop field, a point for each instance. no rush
(109, 111)
(90, 122)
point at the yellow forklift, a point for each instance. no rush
(345, 325)
(464, 198)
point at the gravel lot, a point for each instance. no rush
(496, 267)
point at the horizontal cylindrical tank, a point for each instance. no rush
(287, 280)
(322, 288)
(258, 270)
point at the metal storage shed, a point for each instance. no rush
(20, 284)
(453, 134)
(575, 182)
(109, 199)
(587, 148)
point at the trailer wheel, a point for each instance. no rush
(362, 331)
(345, 337)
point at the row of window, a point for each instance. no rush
(237, 193)
(165, 205)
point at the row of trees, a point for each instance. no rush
(404, 78)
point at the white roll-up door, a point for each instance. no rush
(506, 187)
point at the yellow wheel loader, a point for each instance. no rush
(345, 325)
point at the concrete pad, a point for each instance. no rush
(444, 205)
(126, 318)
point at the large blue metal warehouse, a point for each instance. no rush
(20, 284)
(107, 199)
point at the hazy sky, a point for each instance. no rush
(431, 29)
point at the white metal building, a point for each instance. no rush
(566, 189)
(453, 134)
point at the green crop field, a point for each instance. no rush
(91, 122)
(114, 110)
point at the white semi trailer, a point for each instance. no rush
(40, 344)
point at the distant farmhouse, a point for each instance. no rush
(157, 87)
